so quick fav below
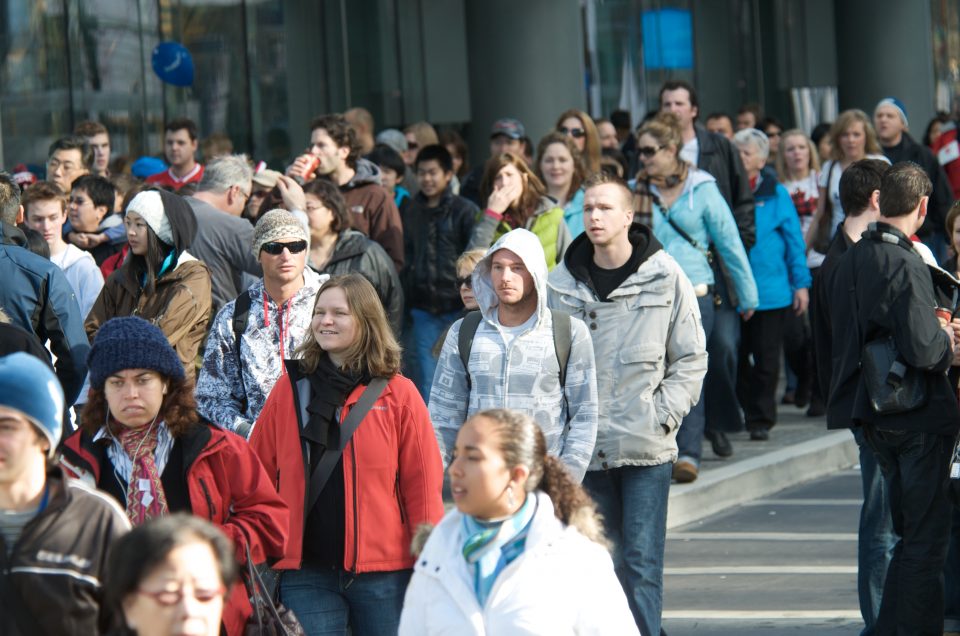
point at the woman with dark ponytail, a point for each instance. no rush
(522, 553)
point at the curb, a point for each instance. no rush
(752, 478)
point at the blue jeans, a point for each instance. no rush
(426, 329)
(327, 600)
(633, 502)
(720, 385)
(690, 433)
(876, 535)
(914, 468)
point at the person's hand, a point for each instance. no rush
(75, 238)
(503, 197)
(801, 300)
(97, 239)
(292, 193)
(83, 240)
(746, 314)
(949, 330)
(301, 167)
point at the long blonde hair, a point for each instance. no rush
(375, 349)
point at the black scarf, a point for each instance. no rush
(329, 388)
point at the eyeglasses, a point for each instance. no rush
(466, 280)
(53, 164)
(246, 195)
(649, 151)
(412, 145)
(172, 597)
(275, 248)
(576, 133)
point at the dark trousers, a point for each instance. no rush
(915, 466)
(798, 352)
(761, 340)
(720, 384)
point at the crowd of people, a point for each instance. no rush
(212, 369)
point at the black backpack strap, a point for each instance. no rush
(562, 340)
(241, 316)
(331, 456)
(468, 329)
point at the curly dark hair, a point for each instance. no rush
(522, 443)
(178, 409)
(342, 134)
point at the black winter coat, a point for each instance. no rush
(884, 288)
(354, 252)
(434, 239)
(722, 160)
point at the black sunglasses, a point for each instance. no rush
(466, 280)
(576, 133)
(649, 151)
(275, 248)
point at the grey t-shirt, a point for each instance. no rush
(12, 523)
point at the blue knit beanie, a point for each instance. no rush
(29, 386)
(131, 343)
(896, 103)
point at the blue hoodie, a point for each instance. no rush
(778, 259)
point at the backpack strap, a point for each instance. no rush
(562, 339)
(468, 329)
(241, 316)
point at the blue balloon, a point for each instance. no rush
(173, 64)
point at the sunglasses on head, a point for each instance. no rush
(576, 133)
(466, 280)
(275, 248)
(649, 151)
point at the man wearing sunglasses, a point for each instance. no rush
(54, 531)
(715, 154)
(253, 334)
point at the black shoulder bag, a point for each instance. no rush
(331, 456)
(892, 385)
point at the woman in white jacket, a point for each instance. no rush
(523, 551)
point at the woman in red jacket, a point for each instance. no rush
(348, 557)
(143, 442)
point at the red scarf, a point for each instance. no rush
(145, 497)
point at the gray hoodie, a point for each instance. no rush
(522, 376)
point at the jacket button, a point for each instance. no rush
(601, 454)
(593, 314)
(669, 301)
(593, 326)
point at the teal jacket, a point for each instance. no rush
(703, 213)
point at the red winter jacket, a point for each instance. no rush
(227, 486)
(391, 471)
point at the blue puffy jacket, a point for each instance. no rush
(778, 259)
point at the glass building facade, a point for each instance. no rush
(264, 68)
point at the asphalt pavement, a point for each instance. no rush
(782, 564)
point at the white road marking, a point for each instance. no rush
(762, 569)
(762, 615)
(762, 536)
(805, 502)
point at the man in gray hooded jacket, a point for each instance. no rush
(651, 353)
(513, 362)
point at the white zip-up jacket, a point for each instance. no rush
(563, 583)
(524, 376)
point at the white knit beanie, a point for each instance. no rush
(149, 205)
